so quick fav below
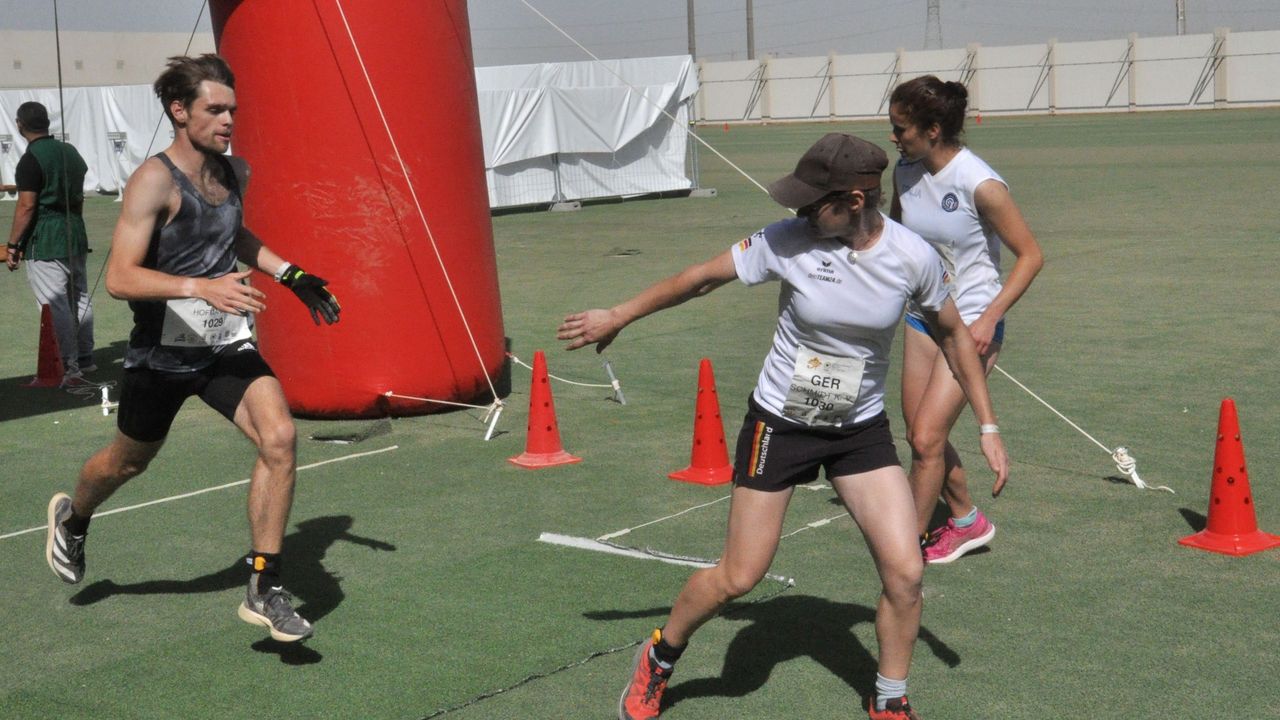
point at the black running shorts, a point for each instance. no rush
(150, 400)
(775, 454)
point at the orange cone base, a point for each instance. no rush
(1236, 545)
(533, 461)
(703, 475)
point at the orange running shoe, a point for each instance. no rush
(894, 709)
(642, 697)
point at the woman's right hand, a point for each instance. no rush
(591, 326)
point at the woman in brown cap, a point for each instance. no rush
(846, 272)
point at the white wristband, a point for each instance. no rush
(280, 271)
(989, 429)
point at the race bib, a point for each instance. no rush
(824, 388)
(192, 322)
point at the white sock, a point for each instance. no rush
(887, 689)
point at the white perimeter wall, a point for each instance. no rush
(1221, 69)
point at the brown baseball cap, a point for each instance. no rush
(836, 162)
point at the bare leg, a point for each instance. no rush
(932, 400)
(263, 416)
(880, 502)
(755, 525)
(108, 469)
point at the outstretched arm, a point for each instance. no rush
(602, 326)
(962, 356)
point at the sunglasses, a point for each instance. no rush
(817, 205)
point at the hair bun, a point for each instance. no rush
(956, 90)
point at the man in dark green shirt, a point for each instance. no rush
(48, 232)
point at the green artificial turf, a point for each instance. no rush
(431, 593)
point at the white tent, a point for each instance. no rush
(110, 126)
(571, 131)
(552, 132)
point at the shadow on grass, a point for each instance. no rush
(17, 401)
(1195, 520)
(304, 549)
(785, 628)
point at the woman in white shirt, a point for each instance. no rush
(846, 273)
(957, 203)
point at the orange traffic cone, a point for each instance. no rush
(1233, 527)
(49, 368)
(710, 462)
(542, 446)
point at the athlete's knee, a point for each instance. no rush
(928, 443)
(116, 464)
(903, 593)
(903, 582)
(277, 441)
(735, 582)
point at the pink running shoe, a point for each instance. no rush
(950, 542)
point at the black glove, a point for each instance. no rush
(310, 290)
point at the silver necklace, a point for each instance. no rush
(853, 257)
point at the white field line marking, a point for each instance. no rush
(624, 531)
(205, 490)
(588, 544)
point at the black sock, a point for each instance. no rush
(266, 568)
(76, 525)
(666, 653)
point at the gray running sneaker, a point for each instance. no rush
(273, 610)
(63, 551)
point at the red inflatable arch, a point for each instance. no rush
(328, 192)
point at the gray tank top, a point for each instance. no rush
(198, 242)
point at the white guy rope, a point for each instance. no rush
(643, 95)
(582, 543)
(1124, 461)
(1127, 465)
(523, 364)
(815, 524)
(413, 192)
(392, 394)
(193, 493)
(624, 531)
(493, 410)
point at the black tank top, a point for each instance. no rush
(198, 242)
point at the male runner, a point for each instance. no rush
(173, 257)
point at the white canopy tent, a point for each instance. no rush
(110, 126)
(572, 131)
(552, 132)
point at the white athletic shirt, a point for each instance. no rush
(941, 209)
(837, 308)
